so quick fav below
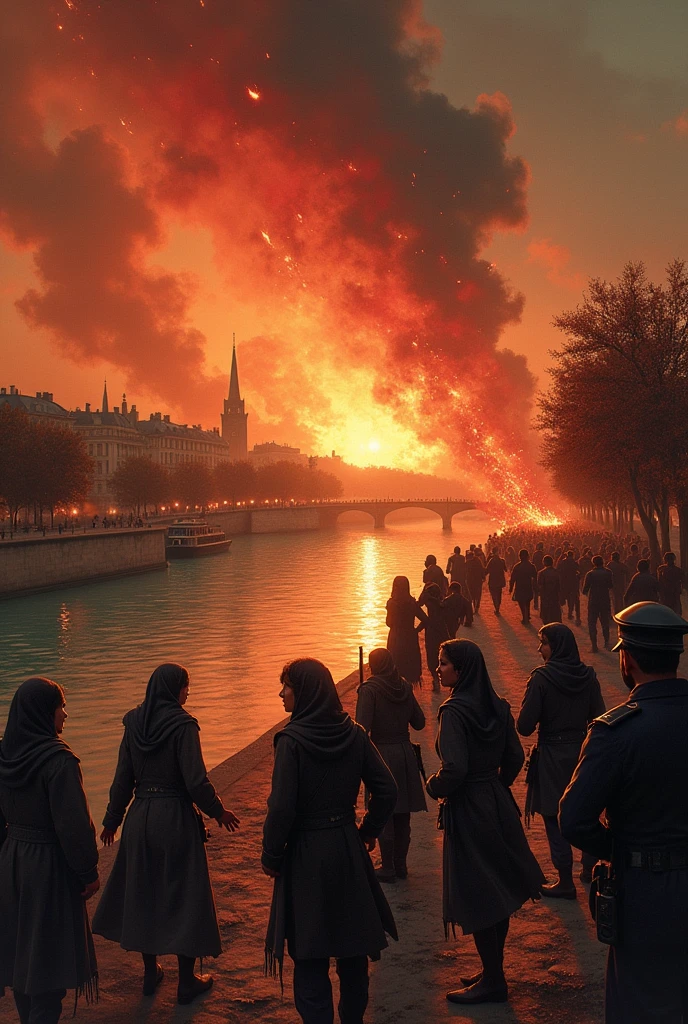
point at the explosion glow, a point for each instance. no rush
(347, 203)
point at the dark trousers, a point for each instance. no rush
(44, 1008)
(573, 602)
(525, 610)
(394, 842)
(596, 612)
(476, 596)
(496, 595)
(313, 990)
(560, 852)
(619, 599)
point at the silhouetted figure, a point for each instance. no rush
(458, 610)
(488, 869)
(510, 558)
(456, 567)
(495, 572)
(326, 900)
(433, 574)
(479, 553)
(436, 631)
(585, 563)
(549, 590)
(475, 575)
(48, 858)
(538, 556)
(522, 584)
(402, 641)
(632, 561)
(598, 584)
(643, 586)
(158, 898)
(670, 581)
(619, 571)
(562, 697)
(386, 707)
(569, 574)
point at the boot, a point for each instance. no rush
(387, 873)
(152, 973)
(564, 889)
(481, 992)
(191, 985)
(402, 841)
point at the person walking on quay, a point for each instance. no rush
(632, 560)
(48, 859)
(436, 629)
(326, 900)
(456, 567)
(619, 571)
(643, 586)
(549, 590)
(510, 558)
(488, 868)
(386, 707)
(402, 641)
(562, 697)
(569, 574)
(495, 570)
(158, 898)
(634, 767)
(670, 582)
(522, 584)
(475, 576)
(538, 559)
(433, 574)
(458, 610)
(598, 584)
(585, 563)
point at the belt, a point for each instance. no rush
(482, 776)
(153, 792)
(29, 834)
(314, 823)
(658, 858)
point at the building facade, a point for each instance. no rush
(41, 408)
(170, 443)
(270, 452)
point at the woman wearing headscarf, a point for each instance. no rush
(48, 859)
(436, 629)
(158, 898)
(402, 642)
(488, 868)
(386, 707)
(562, 697)
(326, 901)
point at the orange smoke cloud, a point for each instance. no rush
(348, 205)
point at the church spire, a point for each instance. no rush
(234, 395)
(105, 407)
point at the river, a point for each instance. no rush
(233, 620)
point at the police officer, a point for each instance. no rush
(634, 766)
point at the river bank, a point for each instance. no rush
(554, 964)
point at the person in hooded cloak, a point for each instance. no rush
(158, 898)
(48, 859)
(488, 868)
(436, 629)
(562, 697)
(402, 642)
(386, 707)
(327, 902)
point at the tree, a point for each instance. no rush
(192, 484)
(234, 481)
(17, 437)
(620, 394)
(139, 482)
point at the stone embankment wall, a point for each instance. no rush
(266, 520)
(31, 565)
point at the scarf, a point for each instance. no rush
(564, 671)
(385, 678)
(30, 738)
(473, 699)
(151, 724)
(318, 722)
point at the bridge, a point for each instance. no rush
(379, 509)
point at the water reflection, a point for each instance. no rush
(233, 620)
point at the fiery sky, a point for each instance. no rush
(341, 185)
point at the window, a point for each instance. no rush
(99, 449)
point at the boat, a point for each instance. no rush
(190, 538)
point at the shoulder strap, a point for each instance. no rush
(618, 714)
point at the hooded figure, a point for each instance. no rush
(562, 697)
(402, 642)
(326, 901)
(158, 898)
(48, 858)
(488, 869)
(386, 707)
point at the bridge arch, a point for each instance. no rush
(379, 510)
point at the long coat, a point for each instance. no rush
(388, 722)
(488, 868)
(563, 720)
(523, 580)
(327, 901)
(158, 897)
(402, 642)
(549, 590)
(48, 855)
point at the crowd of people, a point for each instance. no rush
(328, 901)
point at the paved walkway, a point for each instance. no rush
(554, 965)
